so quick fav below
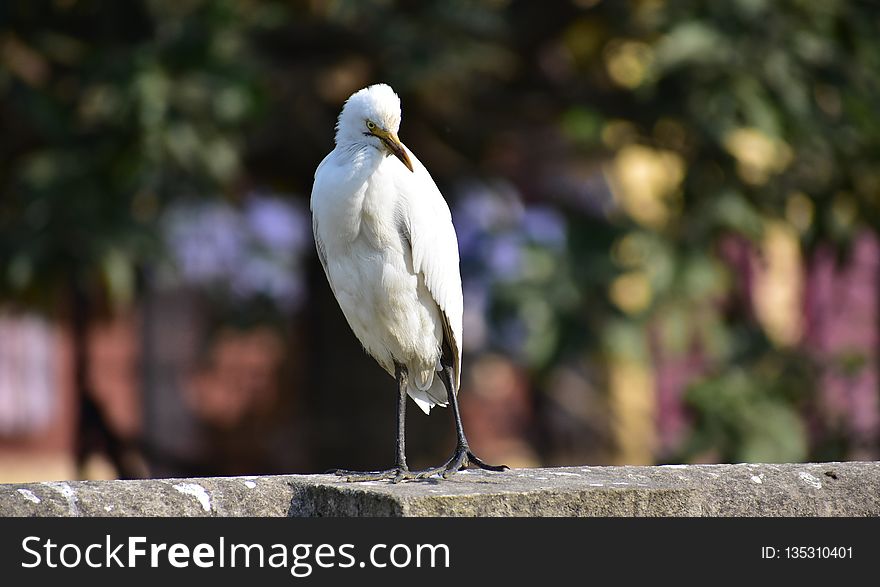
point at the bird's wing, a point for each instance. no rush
(434, 251)
(319, 244)
(322, 252)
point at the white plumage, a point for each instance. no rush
(384, 235)
(386, 240)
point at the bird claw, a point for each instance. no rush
(472, 458)
(459, 462)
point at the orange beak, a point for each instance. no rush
(392, 142)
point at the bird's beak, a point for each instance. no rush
(394, 145)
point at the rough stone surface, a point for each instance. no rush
(812, 489)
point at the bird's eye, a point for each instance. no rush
(370, 125)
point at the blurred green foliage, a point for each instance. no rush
(110, 110)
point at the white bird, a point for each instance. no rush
(384, 235)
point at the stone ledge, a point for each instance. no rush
(811, 489)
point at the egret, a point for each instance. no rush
(385, 238)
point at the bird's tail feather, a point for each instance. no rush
(434, 395)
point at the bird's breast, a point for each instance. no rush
(364, 209)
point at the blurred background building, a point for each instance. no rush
(667, 214)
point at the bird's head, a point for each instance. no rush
(372, 116)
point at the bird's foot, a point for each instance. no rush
(459, 462)
(395, 475)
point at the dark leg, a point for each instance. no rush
(402, 380)
(462, 455)
(400, 471)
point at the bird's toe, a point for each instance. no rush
(479, 463)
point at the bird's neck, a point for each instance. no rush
(360, 153)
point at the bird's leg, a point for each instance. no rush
(400, 471)
(401, 416)
(462, 455)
